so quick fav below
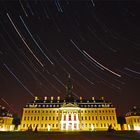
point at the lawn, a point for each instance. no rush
(118, 135)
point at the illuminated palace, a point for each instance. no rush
(133, 118)
(69, 114)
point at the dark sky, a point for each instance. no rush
(97, 42)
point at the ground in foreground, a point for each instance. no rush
(118, 135)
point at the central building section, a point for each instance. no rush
(70, 117)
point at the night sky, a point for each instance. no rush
(97, 42)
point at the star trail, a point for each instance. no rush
(96, 42)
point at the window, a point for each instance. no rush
(64, 117)
(31, 118)
(82, 117)
(85, 117)
(74, 117)
(23, 125)
(96, 118)
(100, 117)
(46, 118)
(92, 117)
(49, 118)
(69, 117)
(38, 118)
(107, 117)
(35, 118)
(53, 118)
(110, 118)
(41, 125)
(28, 118)
(89, 117)
(24, 118)
(42, 118)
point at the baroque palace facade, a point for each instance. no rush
(69, 114)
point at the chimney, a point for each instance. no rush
(51, 97)
(102, 98)
(58, 98)
(36, 98)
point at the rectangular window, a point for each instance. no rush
(42, 118)
(89, 117)
(96, 118)
(64, 117)
(24, 118)
(100, 117)
(46, 118)
(69, 117)
(92, 117)
(85, 117)
(38, 118)
(74, 117)
(53, 118)
(49, 118)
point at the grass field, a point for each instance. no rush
(118, 135)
